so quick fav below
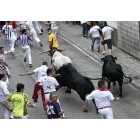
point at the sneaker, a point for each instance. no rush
(91, 48)
(25, 59)
(103, 53)
(30, 65)
(42, 30)
(13, 53)
(41, 45)
(98, 49)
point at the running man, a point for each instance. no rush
(32, 32)
(24, 38)
(102, 97)
(19, 100)
(9, 33)
(40, 72)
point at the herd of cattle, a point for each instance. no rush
(72, 79)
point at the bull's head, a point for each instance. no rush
(108, 58)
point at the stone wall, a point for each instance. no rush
(129, 37)
(112, 24)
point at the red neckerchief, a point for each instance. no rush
(103, 89)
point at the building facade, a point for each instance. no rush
(127, 36)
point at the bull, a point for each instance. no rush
(113, 72)
(72, 79)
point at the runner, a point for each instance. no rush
(24, 38)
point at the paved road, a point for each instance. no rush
(125, 108)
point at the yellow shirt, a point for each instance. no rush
(19, 101)
(53, 40)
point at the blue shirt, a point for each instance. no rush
(53, 110)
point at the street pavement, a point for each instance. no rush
(86, 62)
(130, 65)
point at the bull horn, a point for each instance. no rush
(60, 49)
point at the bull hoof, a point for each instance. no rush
(84, 109)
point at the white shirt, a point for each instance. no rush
(82, 22)
(3, 91)
(102, 98)
(107, 32)
(22, 25)
(9, 31)
(53, 23)
(40, 71)
(94, 31)
(49, 83)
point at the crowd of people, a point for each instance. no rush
(14, 104)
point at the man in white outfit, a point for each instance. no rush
(107, 38)
(49, 84)
(24, 38)
(38, 27)
(4, 94)
(54, 27)
(32, 32)
(102, 97)
(40, 72)
(9, 33)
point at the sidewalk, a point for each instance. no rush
(130, 65)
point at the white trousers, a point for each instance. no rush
(106, 113)
(54, 29)
(10, 43)
(5, 111)
(27, 51)
(22, 117)
(34, 35)
(15, 34)
(38, 27)
(7, 80)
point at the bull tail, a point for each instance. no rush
(95, 78)
(130, 79)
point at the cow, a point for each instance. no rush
(113, 72)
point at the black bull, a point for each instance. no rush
(72, 79)
(113, 72)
